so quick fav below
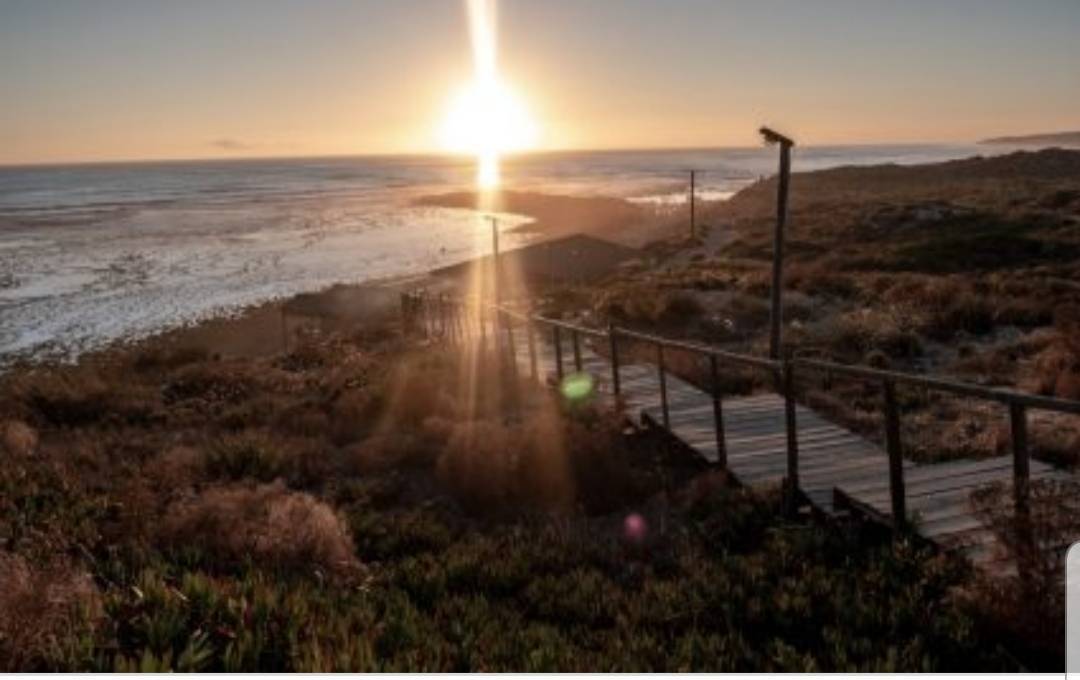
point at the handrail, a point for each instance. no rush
(447, 321)
(961, 388)
(1004, 396)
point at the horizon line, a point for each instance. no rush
(453, 155)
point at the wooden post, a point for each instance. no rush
(792, 480)
(614, 359)
(896, 457)
(693, 226)
(718, 413)
(577, 350)
(776, 310)
(558, 352)
(443, 322)
(530, 333)
(508, 323)
(663, 385)
(1021, 459)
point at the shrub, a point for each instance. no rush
(81, 396)
(1057, 366)
(211, 382)
(253, 455)
(159, 357)
(856, 334)
(17, 438)
(266, 524)
(680, 308)
(1031, 605)
(47, 614)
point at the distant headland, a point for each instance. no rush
(1065, 139)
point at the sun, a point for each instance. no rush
(486, 118)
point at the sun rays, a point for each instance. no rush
(487, 118)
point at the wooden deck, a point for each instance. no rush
(836, 466)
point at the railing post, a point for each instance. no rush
(788, 381)
(508, 323)
(558, 352)
(614, 359)
(663, 385)
(577, 350)
(443, 317)
(1021, 460)
(530, 333)
(718, 413)
(896, 457)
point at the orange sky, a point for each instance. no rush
(124, 79)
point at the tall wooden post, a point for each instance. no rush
(495, 292)
(776, 309)
(693, 194)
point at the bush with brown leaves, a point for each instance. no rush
(44, 611)
(267, 524)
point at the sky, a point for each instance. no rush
(91, 80)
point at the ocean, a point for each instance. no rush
(92, 254)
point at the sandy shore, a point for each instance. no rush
(613, 219)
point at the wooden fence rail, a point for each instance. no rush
(437, 314)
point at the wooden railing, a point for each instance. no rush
(784, 375)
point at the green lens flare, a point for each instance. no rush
(577, 386)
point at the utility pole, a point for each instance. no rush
(776, 312)
(693, 228)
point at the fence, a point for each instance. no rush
(783, 372)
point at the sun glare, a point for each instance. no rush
(486, 118)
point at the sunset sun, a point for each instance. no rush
(486, 118)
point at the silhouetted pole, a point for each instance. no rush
(693, 228)
(495, 293)
(495, 256)
(776, 312)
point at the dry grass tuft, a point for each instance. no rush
(1058, 365)
(80, 395)
(18, 439)
(266, 524)
(1031, 604)
(43, 611)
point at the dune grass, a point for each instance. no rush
(367, 504)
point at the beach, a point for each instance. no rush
(95, 254)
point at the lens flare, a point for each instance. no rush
(577, 387)
(635, 528)
(486, 118)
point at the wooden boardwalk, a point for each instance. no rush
(768, 441)
(838, 470)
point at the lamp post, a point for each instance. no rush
(776, 309)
